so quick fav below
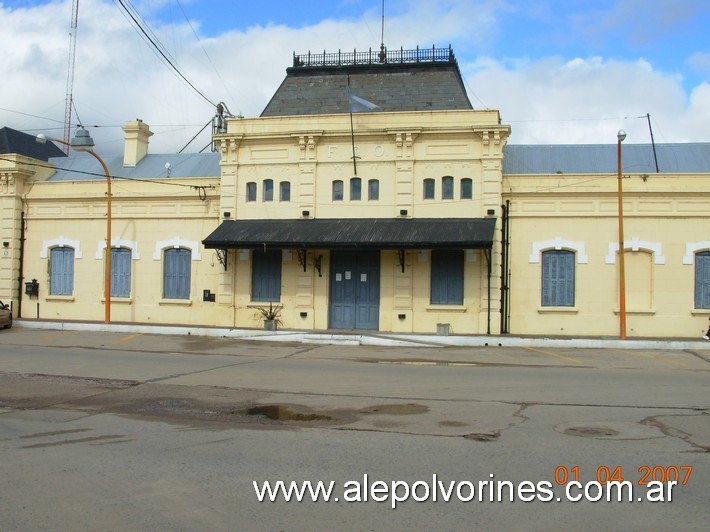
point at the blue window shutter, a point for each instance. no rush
(120, 272)
(558, 283)
(266, 275)
(702, 280)
(176, 273)
(61, 275)
(447, 277)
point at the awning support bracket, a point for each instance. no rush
(302, 257)
(317, 264)
(400, 252)
(222, 257)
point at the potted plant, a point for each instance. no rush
(271, 316)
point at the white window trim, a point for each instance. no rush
(60, 242)
(691, 248)
(558, 244)
(635, 244)
(119, 243)
(176, 243)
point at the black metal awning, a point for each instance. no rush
(354, 233)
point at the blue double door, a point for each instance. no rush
(354, 290)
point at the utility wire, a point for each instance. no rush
(202, 46)
(143, 28)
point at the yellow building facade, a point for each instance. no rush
(412, 217)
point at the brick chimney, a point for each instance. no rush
(136, 144)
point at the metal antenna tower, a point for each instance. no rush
(70, 73)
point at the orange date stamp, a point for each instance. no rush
(604, 474)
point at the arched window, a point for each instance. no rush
(61, 271)
(251, 191)
(447, 187)
(466, 188)
(429, 188)
(285, 191)
(121, 272)
(176, 273)
(337, 190)
(702, 280)
(558, 278)
(355, 189)
(373, 190)
(268, 190)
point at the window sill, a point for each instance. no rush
(119, 300)
(262, 304)
(60, 298)
(446, 308)
(638, 311)
(557, 310)
(700, 312)
(176, 302)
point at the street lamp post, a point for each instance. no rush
(620, 136)
(82, 141)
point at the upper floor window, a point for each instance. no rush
(447, 187)
(466, 188)
(373, 189)
(268, 190)
(355, 189)
(176, 273)
(337, 190)
(558, 278)
(702, 280)
(61, 271)
(251, 191)
(429, 188)
(285, 191)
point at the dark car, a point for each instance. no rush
(5, 316)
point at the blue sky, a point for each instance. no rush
(559, 71)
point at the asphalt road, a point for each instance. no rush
(118, 431)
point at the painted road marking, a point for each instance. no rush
(660, 359)
(126, 338)
(55, 335)
(554, 354)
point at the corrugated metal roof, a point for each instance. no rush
(602, 158)
(83, 167)
(354, 233)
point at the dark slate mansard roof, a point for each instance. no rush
(13, 141)
(426, 79)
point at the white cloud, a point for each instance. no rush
(587, 100)
(119, 78)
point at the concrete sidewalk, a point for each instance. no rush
(373, 338)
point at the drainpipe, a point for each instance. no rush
(21, 278)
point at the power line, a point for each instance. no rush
(147, 34)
